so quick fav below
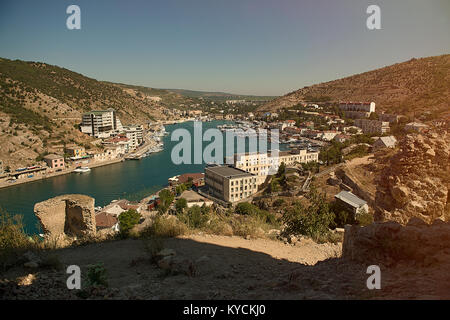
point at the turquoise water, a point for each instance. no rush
(132, 180)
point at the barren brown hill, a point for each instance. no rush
(409, 88)
(41, 105)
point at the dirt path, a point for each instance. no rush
(224, 268)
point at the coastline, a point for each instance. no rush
(55, 174)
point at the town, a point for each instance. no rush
(319, 138)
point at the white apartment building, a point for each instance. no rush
(357, 106)
(135, 134)
(101, 123)
(264, 164)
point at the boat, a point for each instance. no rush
(82, 170)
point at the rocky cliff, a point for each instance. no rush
(415, 181)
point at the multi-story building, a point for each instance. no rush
(356, 114)
(372, 126)
(230, 184)
(101, 124)
(357, 110)
(264, 164)
(135, 134)
(54, 161)
(357, 106)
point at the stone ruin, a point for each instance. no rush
(72, 215)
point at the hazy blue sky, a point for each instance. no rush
(241, 46)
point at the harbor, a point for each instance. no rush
(131, 180)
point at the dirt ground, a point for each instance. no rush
(225, 268)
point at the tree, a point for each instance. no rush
(166, 198)
(312, 220)
(180, 205)
(246, 208)
(281, 169)
(127, 220)
(180, 188)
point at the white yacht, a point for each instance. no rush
(82, 170)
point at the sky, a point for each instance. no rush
(257, 47)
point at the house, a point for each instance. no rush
(198, 179)
(75, 152)
(104, 220)
(385, 142)
(194, 199)
(341, 138)
(54, 161)
(328, 135)
(351, 202)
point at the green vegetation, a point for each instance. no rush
(195, 217)
(333, 154)
(312, 220)
(343, 216)
(278, 202)
(97, 275)
(180, 205)
(165, 227)
(246, 208)
(13, 239)
(127, 220)
(166, 198)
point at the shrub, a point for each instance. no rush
(153, 245)
(13, 239)
(278, 202)
(127, 220)
(312, 220)
(194, 217)
(165, 227)
(180, 205)
(364, 218)
(97, 275)
(246, 208)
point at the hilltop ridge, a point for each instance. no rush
(410, 88)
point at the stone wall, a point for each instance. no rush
(72, 215)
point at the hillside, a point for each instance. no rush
(41, 104)
(409, 88)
